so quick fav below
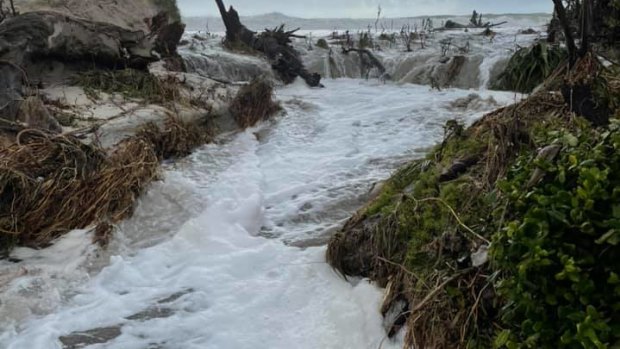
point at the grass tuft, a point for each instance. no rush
(51, 184)
(254, 103)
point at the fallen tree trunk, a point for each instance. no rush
(491, 25)
(454, 25)
(275, 44)
(373, 60)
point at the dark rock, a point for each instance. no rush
(454, 25)
(152, 313)
(78, 340)
(458, 167)
(175, 296)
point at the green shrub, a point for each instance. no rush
(322, 43)
(529, 67)
(365, 41)
(559, 256)
(130, 83)
(388, 37)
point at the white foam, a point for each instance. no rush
(292, 179)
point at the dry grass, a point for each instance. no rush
(253, 103)
(176, 138)
(508, 131)
(50, 185)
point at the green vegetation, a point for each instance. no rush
(549, 219)
(529, 67)
(322, 43)
(559, 257)
(388, 37)
(130, 83)
(365, 41)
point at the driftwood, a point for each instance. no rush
(274, 44)
(371, 58)
(454, 25)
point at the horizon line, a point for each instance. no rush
(374, 18)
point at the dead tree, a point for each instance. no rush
(274, 44)
(407, 37)
(568, 34)
(580, 94)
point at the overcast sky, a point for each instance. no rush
(365, 8)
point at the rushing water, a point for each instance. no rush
(227, 251)
(206, 224)
(456, 58)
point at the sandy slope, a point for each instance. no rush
(128, 14)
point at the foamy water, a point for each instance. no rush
(227, 251)
(481, 58)
(291, 179)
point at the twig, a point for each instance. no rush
(460, 222)
(403, 268)
(472, 310)
(429, 297)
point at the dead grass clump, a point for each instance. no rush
(510, 130)
(52, 184)
(253, 103)
(175, 138)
